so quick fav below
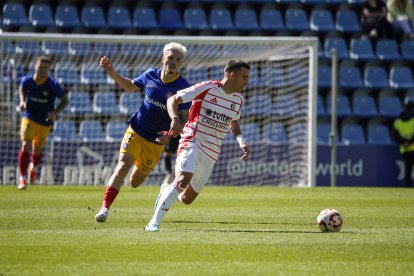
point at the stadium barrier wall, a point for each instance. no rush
(357, 165)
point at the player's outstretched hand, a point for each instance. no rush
(246, 152)
(105, 63)
(22, 106)
(164, 137)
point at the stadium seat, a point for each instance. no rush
(107, 49)
(91, 131)
(339, 44)
(145, 18)
(401, 77)
(130, 102)
(79, 103)
(389, 106)
(93, 17)
(115, 130)
(8, 47)
(245, 19)
(324, 76)
(296, 133)
(352, 134)
(347, 21)
(364, 105)
(258, 106)
(387, 50)
(285, 105)
(323, 133)
(64, 131)
(66, 73)
(196, 74)
(343, 106)
(80, 48)
(54, 48)
(273, 75)
(375, 77)
(105, 103)
(251, 132)
(321, 111)
(271, 20)
(361, 49)
(407, 49)
(220, 19)
(195, 19)
(170, 18)
(119, 18)
(274, 133)
(208, 51)
(92, 74)
(296, 20)
(67, 16)
(132, 49)
(40, 15)
(378, 134)
(14, 15)
(321, 21)
(27, 47)
(350, 77)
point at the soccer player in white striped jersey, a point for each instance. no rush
(215, 108)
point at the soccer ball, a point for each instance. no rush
(330, 220)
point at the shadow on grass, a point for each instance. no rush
(239, 222)
(249, 231)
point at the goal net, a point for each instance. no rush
(277, 121)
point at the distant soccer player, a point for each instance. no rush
(37, 95)
(147, 134)
(215, 108)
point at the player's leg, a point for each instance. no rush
(27, 132)
(39, 141)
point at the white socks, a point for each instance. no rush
(168, 197)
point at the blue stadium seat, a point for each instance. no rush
(216, 72)
(40, 15)
(54, 48)
(91, 131)
(322, 21)
(324, 76)
(105, 103)
(18, 70)
(296, 133)
(364, 105)
(321, 111)
(271, 20)
(254, 79)
(196, 74)
(26, 47)
(350, 77)
(107, 49)
(378, 134)
(8, 47)
(285, 105)
(119, 18)
(79, 103)
(407, 49)
(343, 106)
(387, 50)
(93, 17)
(220, 19)
(376, 77)
(14, 15)
(133, 49)
(296, 20)
(115, 130)
(361, 49)
(245, 19)
(64, 131)
(323, 133)
(80, 48)
(130, 102)
(145, 18)
(258, 106)
(347, 21)
(195, 19)
(92, 74)
(401, 77)
(274, 133)
(341, 47)
(273, 75)
(352, 134)
(389, 106)
(170, 19)
(251, 132)
(67, 16)
(66, 73)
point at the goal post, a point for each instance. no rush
(278, 119)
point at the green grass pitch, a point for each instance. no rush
(50, 230)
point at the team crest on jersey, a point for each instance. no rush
(168, 94)
(45, 93)
(233, 107)
(124, 146)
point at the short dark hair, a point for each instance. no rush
(43, 59)
(234, 65)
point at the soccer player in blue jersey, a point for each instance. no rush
(147, 134)
(37, 95)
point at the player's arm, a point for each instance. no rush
(235, 129)
(183, 116)
(123, 82)
(22, 97)
(53, 114)
(172, 107)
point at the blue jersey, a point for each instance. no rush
(40, 99)
(152, 117)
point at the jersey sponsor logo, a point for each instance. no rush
(215, 124)
(38, 100)
(156, 103)
(218, 116)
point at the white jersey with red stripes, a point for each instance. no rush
(211, 112)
